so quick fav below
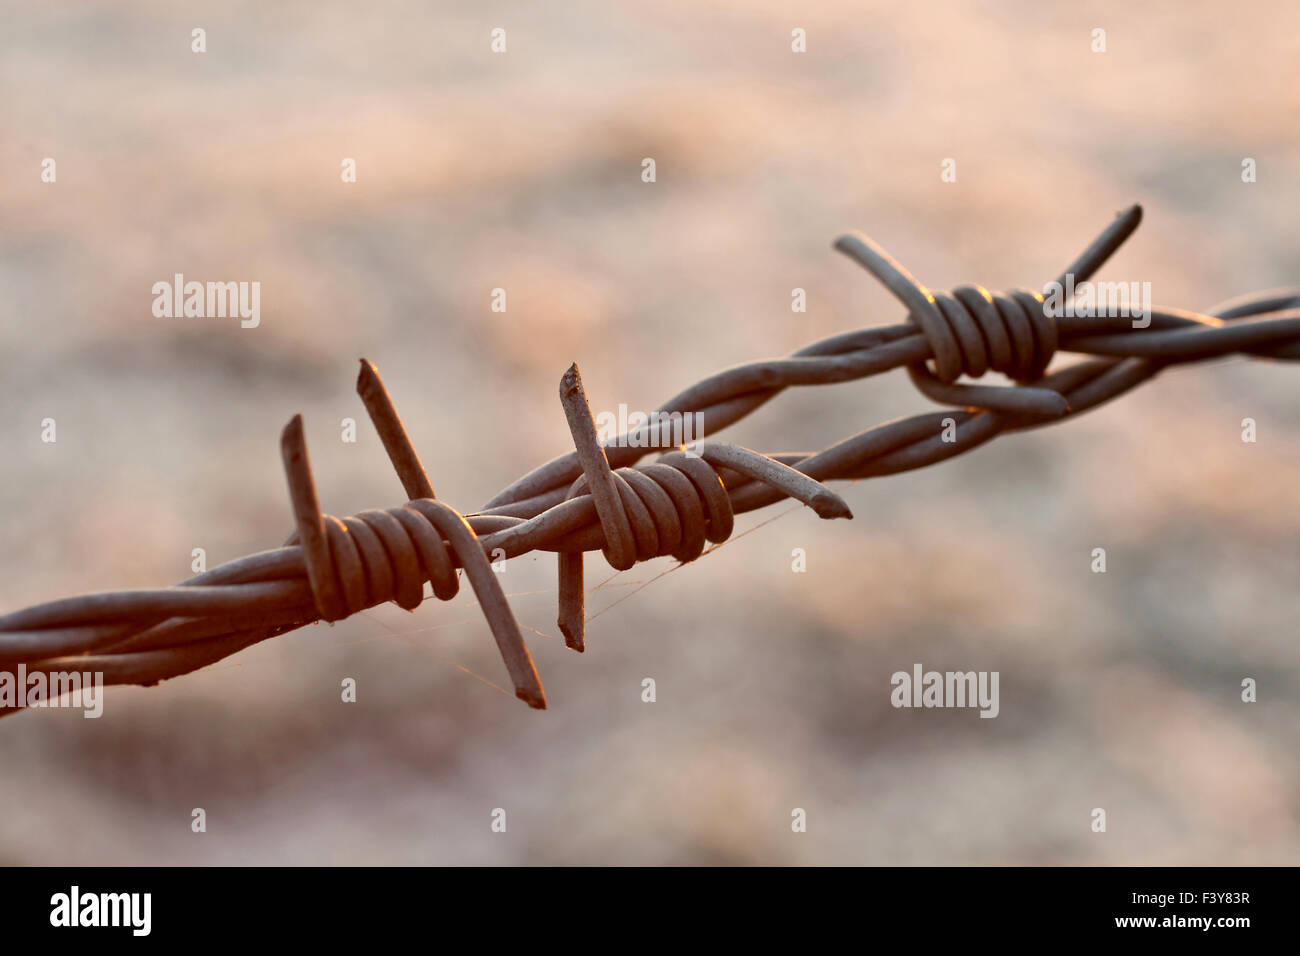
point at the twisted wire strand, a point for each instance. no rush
(594, 499)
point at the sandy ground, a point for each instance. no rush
(522, 170)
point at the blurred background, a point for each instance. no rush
(522, 170)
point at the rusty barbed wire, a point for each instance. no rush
(599, 498)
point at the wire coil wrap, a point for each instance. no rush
(670, 510)
(971, 332)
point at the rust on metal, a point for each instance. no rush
(599, 498)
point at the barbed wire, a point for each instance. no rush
(599, 498)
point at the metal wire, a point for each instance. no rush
(599, 498)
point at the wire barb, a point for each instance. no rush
(383, 414)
